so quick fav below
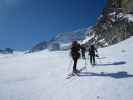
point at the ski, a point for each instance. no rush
(75, 74)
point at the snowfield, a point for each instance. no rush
(42, 75)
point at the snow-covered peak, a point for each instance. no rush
(129, 17)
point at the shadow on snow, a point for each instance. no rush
(114, 63)
(117, 75)
(101, 57)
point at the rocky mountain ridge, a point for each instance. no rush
(112, 26)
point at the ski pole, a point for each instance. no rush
(85, 64)
(99, 58)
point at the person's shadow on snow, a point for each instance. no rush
(117, 75)
(113, 63)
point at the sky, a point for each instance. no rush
(24, 23)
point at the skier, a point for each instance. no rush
(75, 53)
(92, 53)
(83, 49)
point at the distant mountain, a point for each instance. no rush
(6, 51)
(65, 39)
(62, 40)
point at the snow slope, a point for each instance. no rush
(41, 76)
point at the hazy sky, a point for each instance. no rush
(23, 23)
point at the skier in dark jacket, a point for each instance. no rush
(75, 53)
(83, 50)
(92, 53)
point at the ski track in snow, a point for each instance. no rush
(42, 76)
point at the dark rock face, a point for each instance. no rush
(125, 5)
(113, 26)
(114, 4)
